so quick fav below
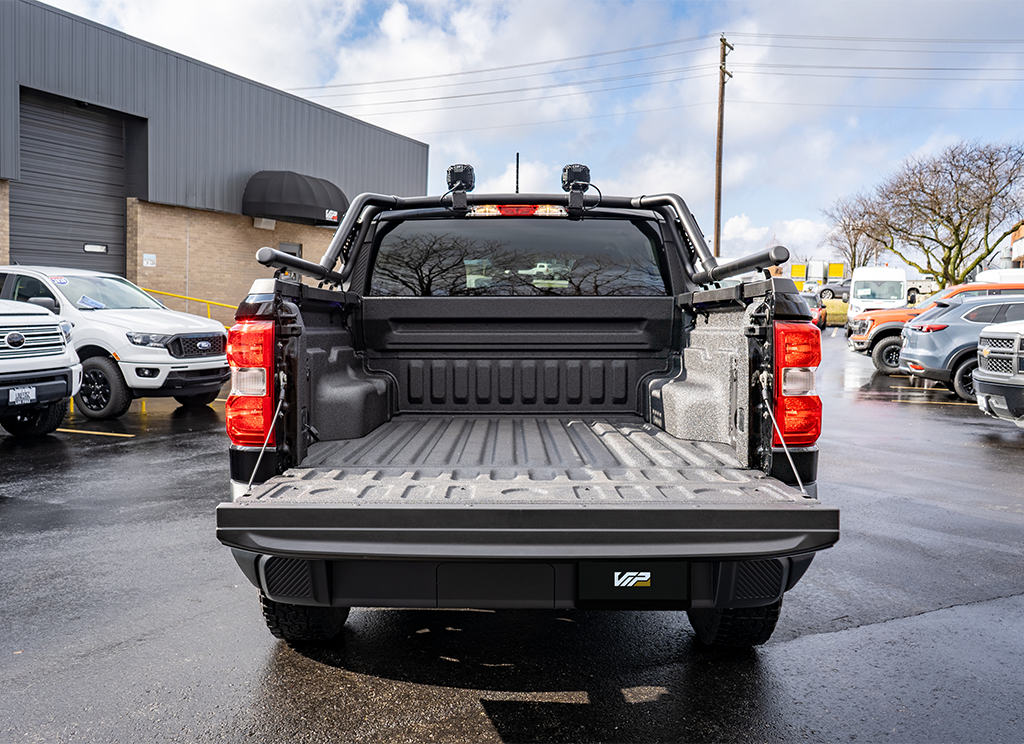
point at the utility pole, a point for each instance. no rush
(722, 75)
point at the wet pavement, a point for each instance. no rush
(124, 620)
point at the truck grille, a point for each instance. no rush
(40, 340)
(996, 343)
(185, 347)
(992, 364)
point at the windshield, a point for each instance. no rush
(874, 289)
(942, 293)
(504, 257)
(103, 293)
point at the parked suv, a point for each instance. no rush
(39, 370)
(130, 345)
(877, 332)
(999, 378)
(942, 344)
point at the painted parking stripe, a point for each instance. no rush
(97, 433)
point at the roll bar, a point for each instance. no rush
(360, 213)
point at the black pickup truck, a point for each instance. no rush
(524, 401)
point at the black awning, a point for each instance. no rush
(293, 197)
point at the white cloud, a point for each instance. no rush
(739, 228)
(800, 130)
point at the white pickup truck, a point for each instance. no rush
(39, 370)
(130, 345)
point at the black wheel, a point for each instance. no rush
(301, 623)
(886, 355)
(37, 422)
(912, 297)
(104, 394)
(197, 401)
(827, 294)
(963, 380)
(735, 628)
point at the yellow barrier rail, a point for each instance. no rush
(191, 299)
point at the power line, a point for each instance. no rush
(884, 51)
(535, 98)
(884, 39)
(513, 77)
(513, 67)
(630, 112)
(637, 112)
(550, 86)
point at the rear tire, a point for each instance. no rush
(197, 401)
(104, 393)
(963, 380)
(827, 294)
(740, 627)
(37, 422)
(886, 355)
(302, 623)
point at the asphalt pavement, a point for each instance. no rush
(124, 620)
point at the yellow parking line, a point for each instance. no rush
(97, 433)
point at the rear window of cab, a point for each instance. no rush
(518, 257)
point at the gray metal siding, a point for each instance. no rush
(208, 130)
(72, 187)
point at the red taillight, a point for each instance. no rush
(930, 328)
(250, 407)
(797, 407)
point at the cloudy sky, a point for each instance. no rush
(827, 96)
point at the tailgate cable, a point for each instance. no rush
(771, 414)
(273, 423)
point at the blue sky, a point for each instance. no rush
(827, 97)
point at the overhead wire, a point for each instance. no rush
(844, 71)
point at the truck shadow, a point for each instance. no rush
(558, 676)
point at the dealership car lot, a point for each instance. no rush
(127, 621)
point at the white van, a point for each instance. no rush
(877, 288)
(1000, 276)
(130, 345)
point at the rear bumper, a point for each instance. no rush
(488, 557)
(626, 585)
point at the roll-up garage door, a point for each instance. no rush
(68, 207)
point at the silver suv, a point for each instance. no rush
(942, 343)
(999, 378)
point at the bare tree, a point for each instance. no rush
(946, 214)
(849, 236)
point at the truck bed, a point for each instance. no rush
(514, 487)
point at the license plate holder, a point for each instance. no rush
(633, 584)
(21, 396)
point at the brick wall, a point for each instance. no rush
(5, 222)
(206, 255)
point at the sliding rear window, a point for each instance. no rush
(518, 257)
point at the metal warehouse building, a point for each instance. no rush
(121, 156)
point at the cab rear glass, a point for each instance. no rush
(518, 257)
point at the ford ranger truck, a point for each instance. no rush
(432, 427)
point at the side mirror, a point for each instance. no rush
(46, 302)
(846, 296)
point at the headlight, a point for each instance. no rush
(65, 330)
(158, 340)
